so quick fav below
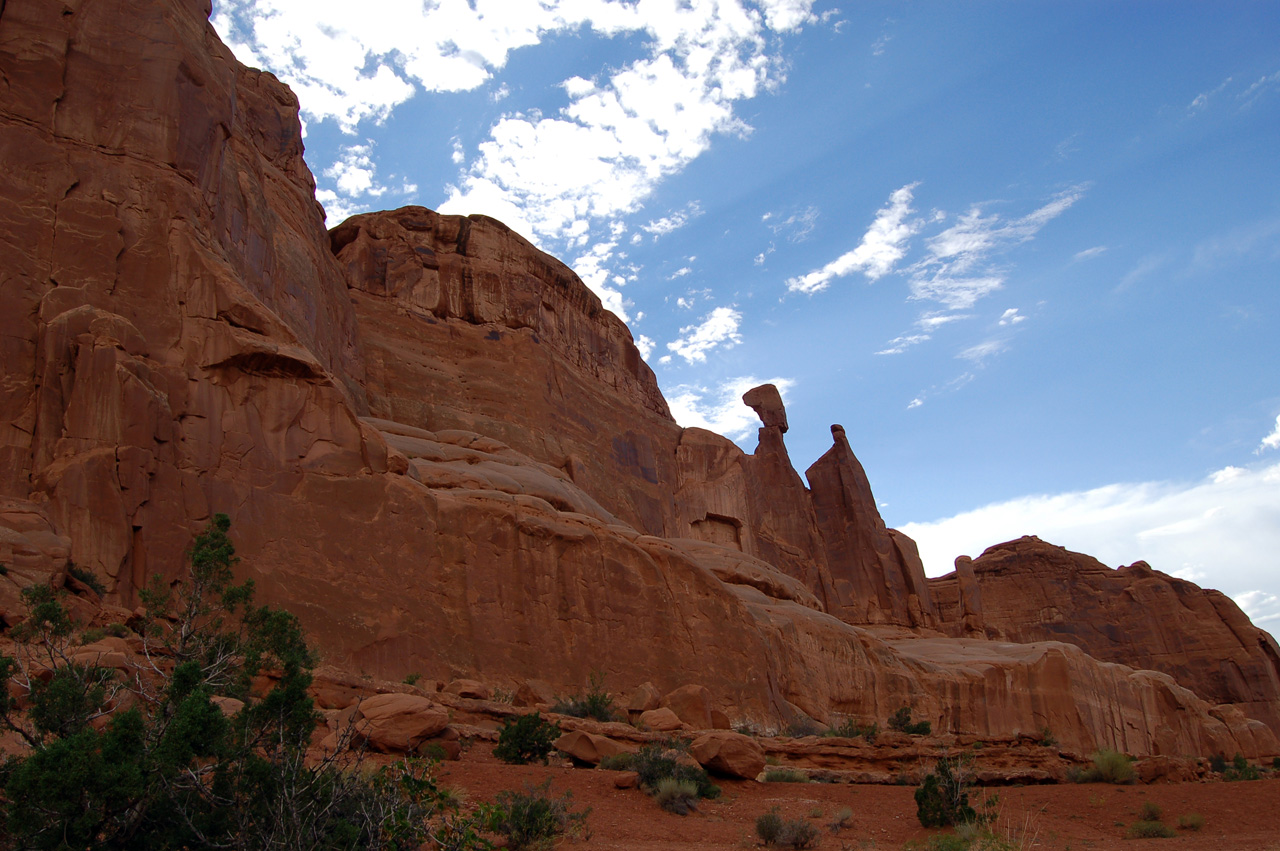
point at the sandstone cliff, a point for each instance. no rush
(434, 444)
(1033, 591)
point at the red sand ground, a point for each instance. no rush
(1237, 816)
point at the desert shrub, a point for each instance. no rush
(1108, 767)
(1241, 770)
(412, 679)
(1190, 821)
(676, 796)
(526, 739)
(1275, 763)
(595, 703)
(797, 833)
(774, 830)
(1046, 738)
(840, 820)
(1150, 811)
(88, 577)
(1150, 830)
(172, 771)
(1218, 763)
(769, 826)
(785, 775)
(943, 798)
(617, 762)
(653, 764)
(900, 721)
(532, 819)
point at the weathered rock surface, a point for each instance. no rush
(436, 447)
(728, 754)
(588, 747)
(1028, 590)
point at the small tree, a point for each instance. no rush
(943, 798)
(526, 739)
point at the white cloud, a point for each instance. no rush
(645, 345)
(604, 153)
(675, 221)
(718, 328)
(980, 352)
(1089, 252)
(1257, 89)
(592, 268)
(1271, 441)
(353, 184)
(721, 409)
(1224, 529)
(926, 325)
(898, 345)
(957, 271)
(915, 403)
(680, 273)
(883, 245)
(1011, 317)
(1200, 101)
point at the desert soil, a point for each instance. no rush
(1237, 816)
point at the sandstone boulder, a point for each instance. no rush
(588, 747)
(691, 704)
(398, 723)
(728, 754)
(662, 720)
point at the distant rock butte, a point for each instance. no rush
(1034, 591)
(444, 455)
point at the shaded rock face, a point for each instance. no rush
(435, 446)
(1028, 590)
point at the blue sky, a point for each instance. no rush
(1026, 253)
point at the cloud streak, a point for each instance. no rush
(882, 246)
(959, 267)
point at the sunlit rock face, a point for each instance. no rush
(434, 444)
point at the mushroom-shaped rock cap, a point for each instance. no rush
(766, 401)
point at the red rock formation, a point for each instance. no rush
(435, 447)
(1034, 591)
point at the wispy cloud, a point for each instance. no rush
(720, 409)
(1089, 253)
(980, 352)
(1220, 532)
(1257, 89)
(795, 227)
(1201, 101)
(959, 269)
(674, 221)
(882, 246)
(1010, 317)
(925, 325)
(718, 329)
